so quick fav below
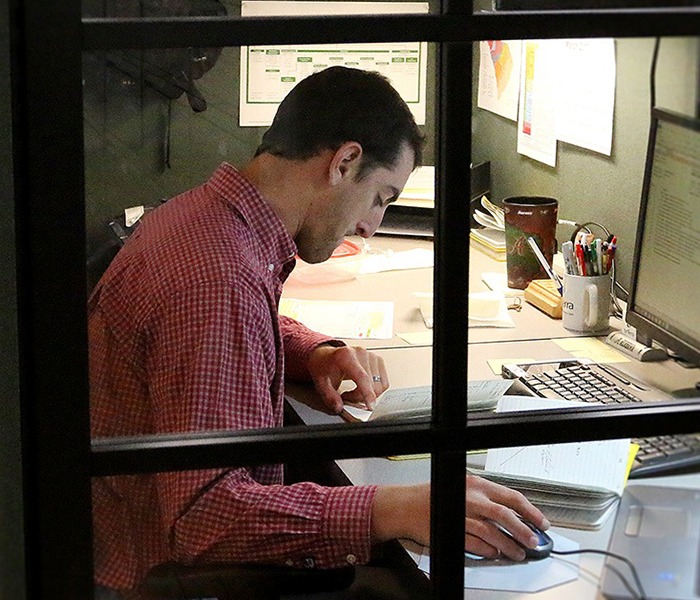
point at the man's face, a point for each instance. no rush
(354, 208)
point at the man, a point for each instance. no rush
(185, 336)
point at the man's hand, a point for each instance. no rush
(489, 503)
(329, 366)
(404, 512)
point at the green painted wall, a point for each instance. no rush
(590, 186)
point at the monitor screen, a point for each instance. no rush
(664, 302)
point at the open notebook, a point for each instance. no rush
(416, 402)
(576, 484)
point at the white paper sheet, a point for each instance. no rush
(499, 77)
(268, 73)
(415, 258)
(537, 112)
(586, 93)
(528, 576)
(419, 189)
(343, 319)
(600, 464)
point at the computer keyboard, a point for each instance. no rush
(578, 381)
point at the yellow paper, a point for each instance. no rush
(593, 348)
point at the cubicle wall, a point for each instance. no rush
(161, 147)
(588, 185)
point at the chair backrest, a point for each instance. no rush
(241, 581)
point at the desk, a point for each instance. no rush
(408, 366)
(412, 365)
(398, 287)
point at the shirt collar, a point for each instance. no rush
(242, 195)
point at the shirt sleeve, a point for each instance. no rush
(301, 525)
(298, 342)
(217, 372)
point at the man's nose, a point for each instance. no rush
(368, 227)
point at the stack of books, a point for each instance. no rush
(575, 485)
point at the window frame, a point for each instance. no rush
(59, 459)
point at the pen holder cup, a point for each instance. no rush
(586, 303)
(529, 217)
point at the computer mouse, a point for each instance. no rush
(543, 548)
(544, 544)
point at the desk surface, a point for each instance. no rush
(399, 287)
(408, 366)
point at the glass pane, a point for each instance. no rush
(531, 96)
(149, 138)
(151, 135)
(240, 530)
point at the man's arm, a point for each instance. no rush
(404, 512)
(327, 362)
(218, 372)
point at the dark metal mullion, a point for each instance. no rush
(150, 454)
(105, 34)
(582, 423)
(50, 224)
(253, 447)
(451, 284)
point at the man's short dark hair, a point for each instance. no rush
(339, 105)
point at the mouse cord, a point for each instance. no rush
(642, 594)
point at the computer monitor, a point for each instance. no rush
(664, 301)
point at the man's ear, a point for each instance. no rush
(345, 162)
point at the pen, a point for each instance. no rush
(545, 265)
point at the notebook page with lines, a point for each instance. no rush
(587, 381)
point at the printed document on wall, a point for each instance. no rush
(586, 91)
(499, 77)
(269, 72)
(537, 112)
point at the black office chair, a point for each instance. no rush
(173, 581)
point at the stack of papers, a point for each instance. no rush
(494, 218)
(491, 240)
(419, 189)
(575, 484)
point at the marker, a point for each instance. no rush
(581, 260)
(545, 265)
(611, 252)
(567, 249)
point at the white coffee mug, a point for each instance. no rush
(586, 303)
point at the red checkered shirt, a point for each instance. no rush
(185, 336)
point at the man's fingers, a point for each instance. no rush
(332, 400)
